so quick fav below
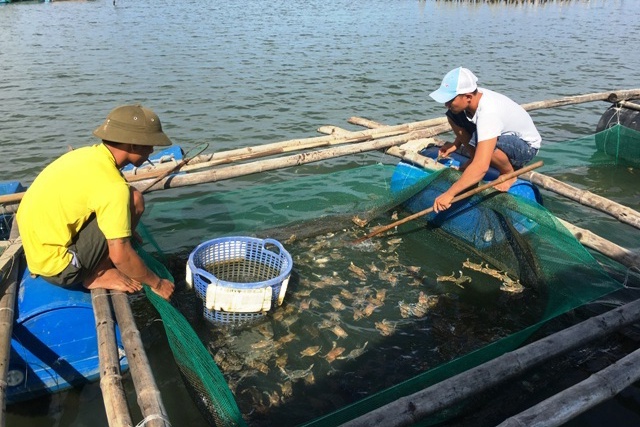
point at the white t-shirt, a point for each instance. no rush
(499, 115)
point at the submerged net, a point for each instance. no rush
(521, 244)
(211, 393)
(363, 325)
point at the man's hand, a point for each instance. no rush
(446, 149)
(442, 202)
(164, 288)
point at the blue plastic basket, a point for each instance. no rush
(233, 277)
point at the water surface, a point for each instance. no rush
(240, 74)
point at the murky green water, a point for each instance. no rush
(241, 74)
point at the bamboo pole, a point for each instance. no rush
(611, 96)
(411, 409)
(9, 269)
(259, 166)
(149, 398)
(629, 105)
(378, 131)
(586, 198)
(115, 400)
(566, 405)
(593, 241)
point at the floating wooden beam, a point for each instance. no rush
(115, 400)
(149, 398)
(411, 409)
(568, 404)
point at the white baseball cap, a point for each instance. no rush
(458, 81)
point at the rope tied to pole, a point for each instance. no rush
(152, 417)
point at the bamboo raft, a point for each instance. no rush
(404, 142)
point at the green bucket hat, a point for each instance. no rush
(132, 124)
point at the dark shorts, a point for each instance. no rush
(87, 249)
(517, 150)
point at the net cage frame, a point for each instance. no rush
(224, 254)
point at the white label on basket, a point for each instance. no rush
(238, 300)
(189, 277)
(283, 290)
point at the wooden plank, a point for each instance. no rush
(411, 409)
(149, 398)
(115, 400)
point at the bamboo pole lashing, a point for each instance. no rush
(409, 410)
(149, 398)
(114, 397)
(629, 105)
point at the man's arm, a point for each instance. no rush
(462, 138)
(129, 263)
(474, 172)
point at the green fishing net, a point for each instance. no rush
(206, 383)
(515, 236)
(619, 144)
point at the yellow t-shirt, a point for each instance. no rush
(61, 199)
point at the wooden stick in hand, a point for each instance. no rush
(499, 180)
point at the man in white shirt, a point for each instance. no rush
(494, 129)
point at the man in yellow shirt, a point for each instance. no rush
(77, 218)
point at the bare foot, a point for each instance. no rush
(504, 186)
(112, 279)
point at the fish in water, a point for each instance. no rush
(508, 284)
(359, 272)
(356, 352)
(386, 327)
(337, 304)
(511, 286)
(310, 351)
(297, 374)
(340, 333)
(456, 280)
(334, 353)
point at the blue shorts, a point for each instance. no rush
(517, 150)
